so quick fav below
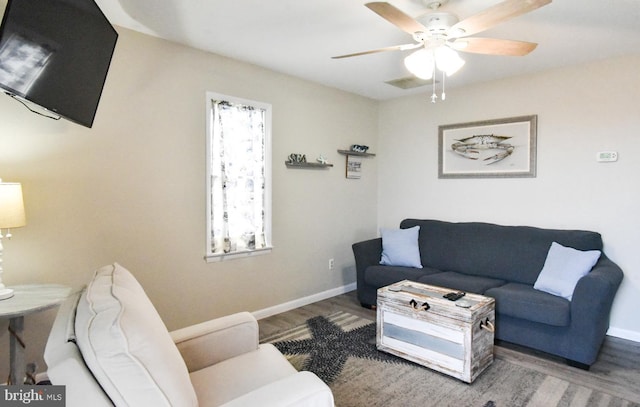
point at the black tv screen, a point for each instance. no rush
(56, 54)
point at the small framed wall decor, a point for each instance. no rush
(354, 160)
(354, 167)
(501, 148)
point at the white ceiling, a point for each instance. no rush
(298, 37)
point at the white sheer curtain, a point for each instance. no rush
(237, 178)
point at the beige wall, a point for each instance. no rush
(581, 110)
(132, 188)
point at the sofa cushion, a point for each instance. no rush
(126, 345)
(380, 276)
(512, 253)
(460, 281)
(400, 247)
(524, 302)
(563, 268)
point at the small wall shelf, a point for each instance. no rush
(290, 164)
(356, 153)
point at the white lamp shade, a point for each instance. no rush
(11, 206)
(420, 63)
(447, 60)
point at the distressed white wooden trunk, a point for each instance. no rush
(445, 337)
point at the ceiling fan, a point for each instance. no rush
(437, 28)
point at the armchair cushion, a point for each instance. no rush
(227, 380)
(114, 322)
(64, 360)
(302, 389)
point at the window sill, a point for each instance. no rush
(215, 258)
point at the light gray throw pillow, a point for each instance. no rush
(400, 247)
(563, 268)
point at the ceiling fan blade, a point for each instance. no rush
(494, 15)
(373, 51)
(493, 46)
(396, 17)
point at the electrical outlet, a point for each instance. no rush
(331, 264)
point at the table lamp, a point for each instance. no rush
(11, 216)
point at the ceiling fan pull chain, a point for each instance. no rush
(443, 96)
(434, 97)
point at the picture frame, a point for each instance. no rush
(354, 167)
(499, 148)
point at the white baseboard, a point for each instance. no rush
(624, 334)
(288, 306)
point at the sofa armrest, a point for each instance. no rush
(367, 253)
(213, 341)
(592, 300)
(303, 389)
(595, 292)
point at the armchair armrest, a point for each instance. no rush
(213, 341)
(302, 389)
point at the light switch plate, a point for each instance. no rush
(607, 156)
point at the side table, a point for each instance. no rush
(27, 299)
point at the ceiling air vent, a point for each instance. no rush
(409, 82)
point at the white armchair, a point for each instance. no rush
(109, 347)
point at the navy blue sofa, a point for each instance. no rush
(504, 262)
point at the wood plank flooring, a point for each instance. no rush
(617, 370)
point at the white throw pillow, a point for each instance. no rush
(563, 268)
(126, 345)
(400, 247)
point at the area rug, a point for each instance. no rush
(341, 350)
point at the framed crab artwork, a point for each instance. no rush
(500, 148)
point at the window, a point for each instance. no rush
(238, 177)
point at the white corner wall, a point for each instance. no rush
(132, 188)
(581, 110)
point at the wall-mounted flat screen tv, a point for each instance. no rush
(56, 54)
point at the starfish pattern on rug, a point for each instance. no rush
(330, 346)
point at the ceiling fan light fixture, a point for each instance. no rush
(447, 60)
(421, 63)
